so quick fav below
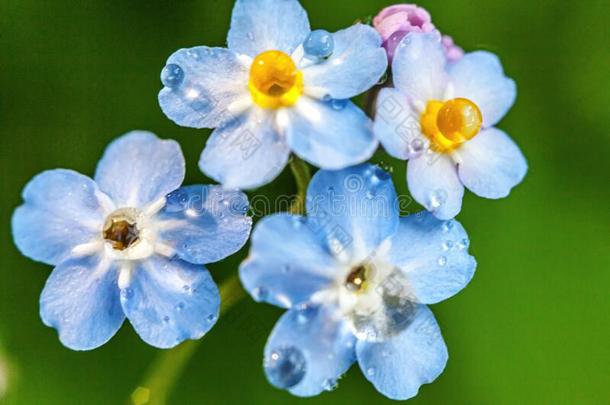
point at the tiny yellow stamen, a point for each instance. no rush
(449, 124)
(275, 80)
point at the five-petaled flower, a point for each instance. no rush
(278, 87)
(440, 116)
(130, 243)
(355, 278)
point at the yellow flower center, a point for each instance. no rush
(449, 124)
(275, 80)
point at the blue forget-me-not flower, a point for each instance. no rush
(129, 243)
(441, 116)
(355, 278)
(279, 87)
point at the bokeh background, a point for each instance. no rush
(533, 326)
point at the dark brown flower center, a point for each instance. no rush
(356, 279)
(121, 233)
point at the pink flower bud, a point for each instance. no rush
(394, 22)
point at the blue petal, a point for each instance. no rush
(399, 366)
(265, 25)
(320, 345)
(62, 209)
(397, 125)
(434, 183)
(355, 208)
(204, 224)
(478, 76)
(210, 80)
(81, 300)
(419, 67)
(491, 164)
(356, 64)
(433, 256)
(139, 168)
(330, 135)
(289, 261)
(169, 301)
(246, 153)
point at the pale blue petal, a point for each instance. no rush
(433, 255)
(169, 301)
(320, 345)
(434, 183)
(356, 64)
(355, 209)
(81, 300)
(211, 80)
(139, 168)
(419, 67)
(399, 366)
(289, 261)
(204, 224)
(478, 76)
(331, 135)
(397, 125)
(264, 25)
(61, 210)
(491, 164)
(245, 153)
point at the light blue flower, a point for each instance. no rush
(130, 243)
(441, 116)
(277, 88)
(356, 279)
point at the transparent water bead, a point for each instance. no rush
(285, 367)
(319, 44)
(172, 76)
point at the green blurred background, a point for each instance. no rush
(533, 326)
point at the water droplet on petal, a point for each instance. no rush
(442, 261)
(166, 319)
(285, 367)
(260, 293)
(172, 76)
(251, 36)
(464, 243)
(212, 318)
(447, 245)
(447, 226)
(437, 198)
(338, 105)
(319, 44)
(371, 371)
(127, 293)
(330, 384)
(180, 306)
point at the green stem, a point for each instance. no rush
(302, 176)
(166, 369)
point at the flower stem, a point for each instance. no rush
(302, 176)
(167, 368)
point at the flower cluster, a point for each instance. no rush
(354, 276)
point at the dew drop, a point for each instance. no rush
(285, 367)
(166, 319)
(251, 36)
(464, 243)
(260, 293)
(212, 318)
(371, 371)
(447, 226)
(127, 293)
(319, 44)
(442, 261)
(447, 245)
(437, 198)
(338, 105)
(172, 76)
(180, 306)
(330, 384)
